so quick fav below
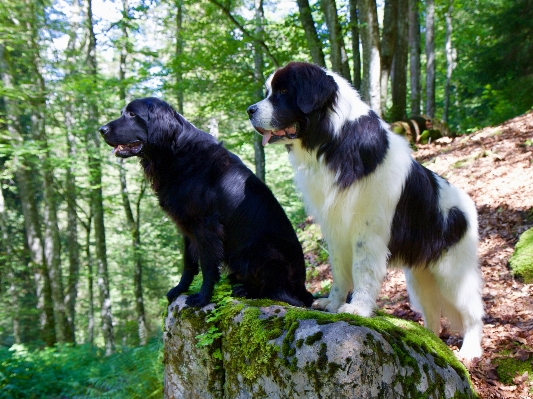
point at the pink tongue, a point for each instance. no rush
(266, 137)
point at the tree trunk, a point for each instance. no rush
(354, 29)
(72, 225)
(29, 210)
(449, 61)
(414, 56)
(7, 270)
(399, 81)
(388, 47)
(90, 284)
(259, 79)
(133, 224)
(339, 59)
(95, 178)
(179, 51)
(308, 24)
(371, 54)
(430, 58)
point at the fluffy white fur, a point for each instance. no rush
(356, 223)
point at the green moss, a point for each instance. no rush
(522, 259)
(508, 367)
(310, 340)
(252, 352)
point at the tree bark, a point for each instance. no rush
(179, 51)
(95, 178)
(399, 81)
(133, 224)
(313, 41)
(449, 61)
(430, 58)
(414, 56)
(259, 79)
(388, 47)
(339, 59)
(29, 209)
(354, 29)
(7, 270)
(371, 54)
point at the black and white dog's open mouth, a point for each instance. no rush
(270, 136)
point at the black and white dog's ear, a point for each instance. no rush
(315, 90)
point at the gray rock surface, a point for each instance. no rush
(279, 351)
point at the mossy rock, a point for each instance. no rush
(429, 135)
(272, 350)
(521, 261)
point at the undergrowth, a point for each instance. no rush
(81, 372)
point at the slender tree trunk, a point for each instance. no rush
(449, 61)
(72, 225)
(259, 150)
(133, 224)
(95, 177)
(414, 56)
(52, 243)
(313, 41)
(388, 47)
(430, 58)
(354, 29)
(371, 54)
(179, 51)
(29, 210)
(339, 59)
(7, 270)
(90, 284)
(399, 82)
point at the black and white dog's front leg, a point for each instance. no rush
(190, 269)
(210, 247)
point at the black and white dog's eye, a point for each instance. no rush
(283, 91)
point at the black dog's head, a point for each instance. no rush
(297, 95)
(142, 121)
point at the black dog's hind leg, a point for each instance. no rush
(211, 253)
(190, 269)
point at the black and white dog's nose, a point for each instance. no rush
(252, 109)
(104, 130)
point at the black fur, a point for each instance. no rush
(420, 232)
(365, 140)
(225, 212)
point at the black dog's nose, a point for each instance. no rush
(252, 109)
(104, 130)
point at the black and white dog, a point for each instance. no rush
(226, 214)
(375, 204)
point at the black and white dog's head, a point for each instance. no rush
(142, 123)
(325, 115)
(298, 97)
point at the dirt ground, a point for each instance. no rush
(495, 167)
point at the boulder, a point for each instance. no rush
(262, 349)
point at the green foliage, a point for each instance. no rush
(81, 371)
(522, 259)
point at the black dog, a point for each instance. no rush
(225, 212)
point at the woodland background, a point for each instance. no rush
(86, 255)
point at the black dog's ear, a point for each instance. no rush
(316, 89)
(162, 121)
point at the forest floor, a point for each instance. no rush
(495, 167)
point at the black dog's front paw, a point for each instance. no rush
(239, 291)
(197, 301)
(174, 293)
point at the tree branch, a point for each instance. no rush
(261, 43)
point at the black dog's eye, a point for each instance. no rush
(283, 91)
(132, 114)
